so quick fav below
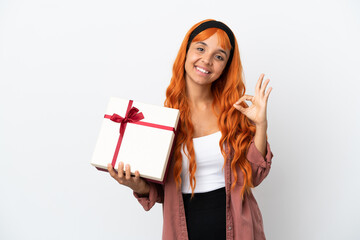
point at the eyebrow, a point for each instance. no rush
(220, 50)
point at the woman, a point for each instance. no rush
(221, 150)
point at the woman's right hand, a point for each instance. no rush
(136, 183)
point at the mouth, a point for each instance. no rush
(202, 70)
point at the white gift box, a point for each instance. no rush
(146, 145)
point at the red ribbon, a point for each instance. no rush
(132, 116)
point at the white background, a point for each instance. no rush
(61, 61)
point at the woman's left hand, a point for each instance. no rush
(257, 111)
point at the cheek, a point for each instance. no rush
(189, 62)
(187, 65)
(220, 70)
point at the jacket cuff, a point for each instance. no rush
(254, 155)
(147, 201)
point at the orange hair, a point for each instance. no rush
(236, 129)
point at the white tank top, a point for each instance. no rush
(209, 165)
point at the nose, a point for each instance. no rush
(207, 59)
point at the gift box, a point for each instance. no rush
(138, 134)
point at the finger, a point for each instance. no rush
(127, 172)
(259, 82)
(267, 93)
(137, 176)
(245, 97)
(263, 87)
(240, 108)
(111, 170)
(121, 170)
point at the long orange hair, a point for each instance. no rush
(236, 129)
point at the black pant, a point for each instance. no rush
(206, 215)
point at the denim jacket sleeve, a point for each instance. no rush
(260, 165)
(156, 195)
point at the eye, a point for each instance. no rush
(218, 57)
(200, 49)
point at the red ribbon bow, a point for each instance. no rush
(132, 116)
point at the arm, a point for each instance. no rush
(259, 155)
(260, 138)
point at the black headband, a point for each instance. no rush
(213, 24)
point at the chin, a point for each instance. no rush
(203, 83)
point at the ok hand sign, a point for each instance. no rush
(257, 111)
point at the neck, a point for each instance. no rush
(199, 95)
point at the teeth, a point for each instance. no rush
(202, 70)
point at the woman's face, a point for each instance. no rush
(205, 61)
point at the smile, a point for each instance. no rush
(202, 70)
